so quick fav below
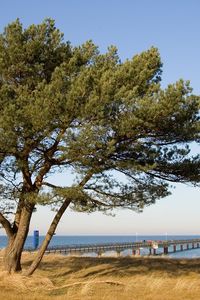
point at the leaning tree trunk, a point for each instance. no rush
(13, 251)
(48, 238)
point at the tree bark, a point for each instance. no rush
(13, 252)
(6, 225)
(47, 239)
(11, 257)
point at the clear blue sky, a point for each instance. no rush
(133, 26)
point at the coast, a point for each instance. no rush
(88, 278)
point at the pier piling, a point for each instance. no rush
(165, 250)
(133, 252)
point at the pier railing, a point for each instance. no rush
(100, 248)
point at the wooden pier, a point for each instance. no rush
(169, 246)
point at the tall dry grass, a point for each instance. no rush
(126, 278)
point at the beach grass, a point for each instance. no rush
(118, 278)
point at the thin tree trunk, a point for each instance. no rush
(52, 229)
(48, 238)
(13, 252)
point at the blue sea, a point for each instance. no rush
(95, 239)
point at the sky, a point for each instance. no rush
(133, 26)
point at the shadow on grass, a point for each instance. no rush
(86, 267)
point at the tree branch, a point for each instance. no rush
(51, 185)
(128, 175)
(48, 156)
(109, 206)
(6, 225)
(86, 178)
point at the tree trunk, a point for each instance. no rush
(47, 239)
(13, 252)
(12, 257)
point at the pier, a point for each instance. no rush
(167, 246)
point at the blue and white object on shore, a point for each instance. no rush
(35, 239)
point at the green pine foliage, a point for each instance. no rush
(110, 122)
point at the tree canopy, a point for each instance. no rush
(110, 122)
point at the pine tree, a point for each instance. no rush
(72, 108)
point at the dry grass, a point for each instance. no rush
(87, 278)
